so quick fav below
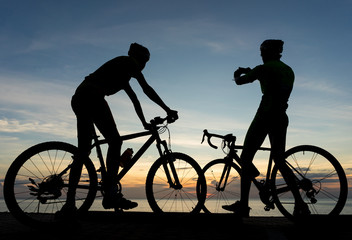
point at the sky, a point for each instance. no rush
(48, 47)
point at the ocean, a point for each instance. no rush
(257, 207)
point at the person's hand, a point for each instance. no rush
(240, 71)
(172, 116)
(147, 126)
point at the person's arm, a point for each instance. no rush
(150, 92)
(137, 106)
(239, 78)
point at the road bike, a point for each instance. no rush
(36, 183)
(319, 176)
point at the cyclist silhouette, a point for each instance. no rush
(276, 81)
(91, 109)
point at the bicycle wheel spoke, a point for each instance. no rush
(36, 183)
(166, 195)
(44, 162)
(329, 175)
(36, 168)
(218, 196)
(62, 160)
(329, 195)
(321, 179)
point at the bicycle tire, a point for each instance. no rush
(162, 198)
(325, 192)
(216, 197)
(35, 169)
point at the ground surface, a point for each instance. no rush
(138, 225)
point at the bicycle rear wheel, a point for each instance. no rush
(164, 197)
(36, 184)
(321, 180)
(224, 193)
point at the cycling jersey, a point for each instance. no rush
(110, 78)
(276, 81)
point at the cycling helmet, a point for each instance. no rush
(272, 46)
(139, 52)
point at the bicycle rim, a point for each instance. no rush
(164, 198)
(320, 178)
(36, 183)
(219, 195)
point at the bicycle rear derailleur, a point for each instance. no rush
(49, 188)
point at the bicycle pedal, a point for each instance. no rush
(118, 210)
(269, 207)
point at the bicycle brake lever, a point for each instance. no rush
(212, 145)
(206, 133)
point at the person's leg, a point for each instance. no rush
(253, 140)
(277, 136)
(105, 122)
(84, 136)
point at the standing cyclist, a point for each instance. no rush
(276, 81)
(91, 109)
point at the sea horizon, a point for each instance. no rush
(257, 207)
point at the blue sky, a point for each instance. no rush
(48, 47)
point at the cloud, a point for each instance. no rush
(186, 32)
(323, 113)
(322, 86)
(320, 104)
(61, 129)
(28, 105)
(27, 90)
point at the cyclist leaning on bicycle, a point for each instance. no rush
(276, 81)
(91, 109)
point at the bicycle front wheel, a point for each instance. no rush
(320, 178)
(163, 192)
(36, 184)
(223, 185)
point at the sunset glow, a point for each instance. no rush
(47, 49)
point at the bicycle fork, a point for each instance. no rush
(220, 186)
(169, 166)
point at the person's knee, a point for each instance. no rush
(80, 158)
(247, 155)
(115, 142)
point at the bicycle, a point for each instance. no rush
(36, 183)
(321, 179)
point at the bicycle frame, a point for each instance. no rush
(259, 184)
(160, 144)
(263, 186)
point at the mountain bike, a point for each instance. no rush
(36, 183)
(319, 176)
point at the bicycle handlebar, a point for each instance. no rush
(228, 138)
(206, 133)
(160, 120)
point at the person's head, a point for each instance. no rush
(271, 49)
(139, 53)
